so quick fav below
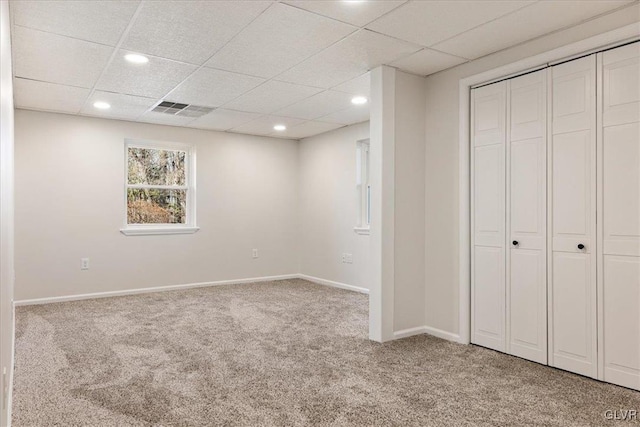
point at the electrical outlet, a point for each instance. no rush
(84, 264)
(254, 253)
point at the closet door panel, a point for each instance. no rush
(527, 298)
(619, 204)
(528, 193)
(488, 280)
(489, 195)
(489, 116)
(621, 85)
(528, 106)
(573, 310)
(489, 298)
(573, 103)
(622, 320)
(527, 284)
(621, 189)
(572, 209)
(572, 192)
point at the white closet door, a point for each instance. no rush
(526, 222)
(488, 223)
(572, 209)
(619, 204)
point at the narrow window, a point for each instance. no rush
(363, 187)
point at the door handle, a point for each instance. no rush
(580, 246)
(515, 243)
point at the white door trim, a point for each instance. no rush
(605, 40)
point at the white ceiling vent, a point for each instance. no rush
(178, 109)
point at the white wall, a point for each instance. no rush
(329, 207)
(409, 195)
(442, 132)
(396, 303)
(69, 205)
(6, 216)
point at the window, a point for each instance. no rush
(363, 187)
(159, 188)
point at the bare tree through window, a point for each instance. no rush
(156, 186)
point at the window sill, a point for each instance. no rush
(150, 231)
(362, 230)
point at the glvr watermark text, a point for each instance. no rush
(621, 414)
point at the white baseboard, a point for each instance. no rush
(405, 333)
(11, 368)
(449, 336)
(333, 284)
(419, 330)
(49, 300)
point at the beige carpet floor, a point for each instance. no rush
(285, 353)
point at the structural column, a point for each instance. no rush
(397, 174)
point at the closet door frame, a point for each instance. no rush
(610, 39)
(583, 109)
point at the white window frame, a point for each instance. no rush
(363, 187)
(190, 175)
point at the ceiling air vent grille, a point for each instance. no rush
(195, 111)
(178, 109)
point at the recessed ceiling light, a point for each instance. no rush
(135, 58)
(359, 100)
(280, 128)
(101, 105)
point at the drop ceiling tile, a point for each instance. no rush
(348, 59)
(518, 27)
(318, 105)
(57, 59)
(277, 40)
(354, 114)
(164, 119)
(212, 88)
(94, 21)
(152, 80)
(357, 13)
(430, 22)
(189, 31)
(361, 85)
(221, 119)
(264, 125)
(271, 96)
(427, 61)
(122, 106)
(37, 95)
(307, 129)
